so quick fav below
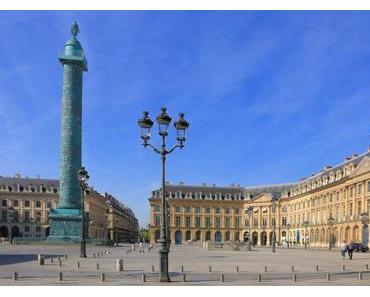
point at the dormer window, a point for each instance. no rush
(10, 188)
(21, 188)
(43, 189)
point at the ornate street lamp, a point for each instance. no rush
(288, 226)
(305, 225)
(83, 177)
(364, 216)
(250, 214)
(330, 223)
(181, 125)
(273, 200)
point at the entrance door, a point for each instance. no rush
(246, 236)
(254, 238)
(178, 237)
(263, 238)
(15, 231)
(218, 236)
(3, 231)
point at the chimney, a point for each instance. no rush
(354, 155)
(181, 183)
(327, 167)
(204, 184)
(348, 158)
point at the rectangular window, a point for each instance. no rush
(264, 222)
(368, 186)
(227, 222)
(218, 222)
(27, 203)
(236, 236)
(157, 208)
(272, 221)
(15, 216)
(178, 221)
(197, 222)
(255, 222)
(236, 211)
(26, 228)
(48, 204)
(283, 221)
(38, 229)
(4, 215)
(188, 221)
(157, 221)
(359, 189)
(38, 204)
(188, 209)
(208, 222)
(15, 203)
(227, 210)
(197, 210)
(351, 192)
(218, 210)
(4, 202)
(350, 209)
(26, 216)
(236, 222)
(208, 210)
(38, 216)
(178, 209)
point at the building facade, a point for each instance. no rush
(123, 226)
(27, 202)
(299, 211)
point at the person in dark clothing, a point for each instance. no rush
(350, 250)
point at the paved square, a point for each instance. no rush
(23, 260)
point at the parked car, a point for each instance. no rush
(360, 247)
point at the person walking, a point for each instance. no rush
(350, 250)
(343, 249)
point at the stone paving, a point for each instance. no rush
(23, 260)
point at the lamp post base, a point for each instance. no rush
(164, 278)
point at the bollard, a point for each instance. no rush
(52, 260)
(102, 277)
(152, 268)
(97, 266)
(119, 265)
(328, 276)
(78, 265)
(183, 278)
(294, 277)
(209, 268)
(222, 278)
(143, 278)
(15, 276)
(60, 264)
(360, 275)
(93, 255)
(181, 268)
(367, 266)
(265, 268)
(98, 254)
(237, 269)
(41, 259)
(292, 268)
(65, 256)
(344, 267)
(259, 278)
(317, 267)
(60, 276)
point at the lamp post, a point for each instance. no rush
(288, 226)
(250, 213)
(116, 233)
(83, 177)
(364, 216)
(305, 225)
(273, 200)
(181, 125)
(331, 223)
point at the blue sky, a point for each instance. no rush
(270, 96)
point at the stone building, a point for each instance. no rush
(26, 203)
(209, 212)
(123, 226)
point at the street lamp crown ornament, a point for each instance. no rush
(163, 120)
(83, 177)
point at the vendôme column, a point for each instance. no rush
(65, 220)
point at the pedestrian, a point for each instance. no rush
(350, 250)
(141, 247)
(343, 249)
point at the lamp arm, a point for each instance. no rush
(153, 147)
(175, 147)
